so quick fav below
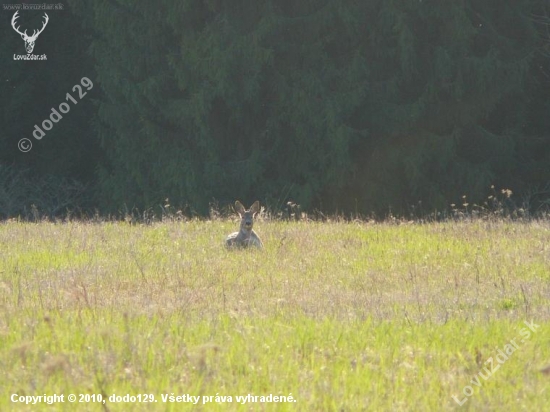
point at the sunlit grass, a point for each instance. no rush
(343, 316)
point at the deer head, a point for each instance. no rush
(247, 216)
(29, 40)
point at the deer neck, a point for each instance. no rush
(246, 232)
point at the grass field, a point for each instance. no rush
(332, 316)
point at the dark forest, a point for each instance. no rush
(341, 106)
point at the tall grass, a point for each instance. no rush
(342, 316)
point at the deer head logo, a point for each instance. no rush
(29, 40)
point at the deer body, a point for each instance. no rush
(245, 237)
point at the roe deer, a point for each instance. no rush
(246, 236)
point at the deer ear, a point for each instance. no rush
(255, 208)
(239, 208)
(23, 36)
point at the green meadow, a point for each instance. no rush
(333, 316)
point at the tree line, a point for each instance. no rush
(339, 105)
